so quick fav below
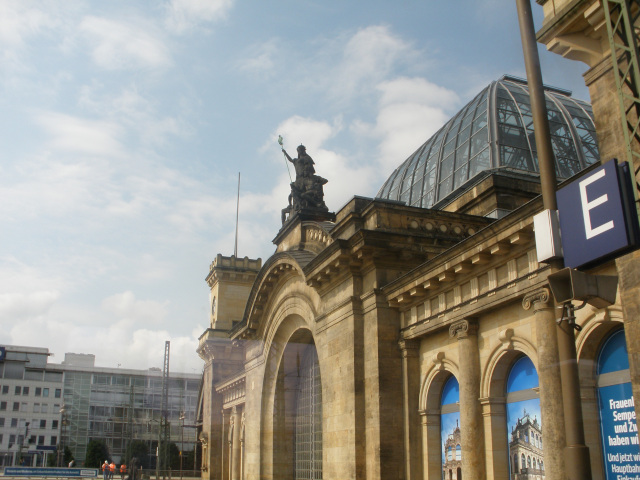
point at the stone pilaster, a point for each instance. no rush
(431, 446)
(495, 421)
(234, 437)
(471, 425)
(551, 407)
(411, 418)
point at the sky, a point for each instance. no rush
(124, 126)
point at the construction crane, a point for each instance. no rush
(163, 437)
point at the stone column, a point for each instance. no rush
(411, 418)
(431, 446)
(224, 456)
(234, 440)
(551, 409)
(471, 426)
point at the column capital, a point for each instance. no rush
(540, 299)
(463, 328)
(409, 348)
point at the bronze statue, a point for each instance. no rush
(307, 191)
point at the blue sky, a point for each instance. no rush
(123, 126)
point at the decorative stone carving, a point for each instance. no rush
(463, 328)
(539, 299)
(437, 360)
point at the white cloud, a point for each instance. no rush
(368, 58)
(410, 111)
(118, 45)
(16, 306)
(125, 306)
(259, 59)
(20, 20)
(81, 135)
(183, 15)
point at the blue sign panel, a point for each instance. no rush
(619, 432)
(596, 219)
(50, 472)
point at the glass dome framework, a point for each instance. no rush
(494, 131)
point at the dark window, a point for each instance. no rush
(40, 439)
(3, 405)
(38, 391)
(58, 393)
(18, 389)
(54, 424)
(16, 406)
(5, 389)
(25, 390)
(54, 440)
(12, 440)
(45, 392)
(2, 422)
(32, 439)
(14, 422)
(43, 424)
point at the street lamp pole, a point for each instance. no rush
(181, 440)
(576, 453)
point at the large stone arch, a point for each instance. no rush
(290, 338)
(596, 327)
(439, 371)
(493, 398)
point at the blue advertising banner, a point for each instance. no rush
(51, 472)
(619, 432)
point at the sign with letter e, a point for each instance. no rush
(597, 213)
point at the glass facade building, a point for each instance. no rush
(75, 402)
(494, 131)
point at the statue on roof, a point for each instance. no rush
(307, 192)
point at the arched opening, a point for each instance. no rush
(616, 404)
(297, 411)
(450, 427)
(523, 419)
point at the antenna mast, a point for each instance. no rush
(235, 249)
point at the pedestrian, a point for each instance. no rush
(123, 471)
(112, 469)
(105, 470)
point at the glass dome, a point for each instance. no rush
(494, 131)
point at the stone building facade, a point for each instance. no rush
(330, 359)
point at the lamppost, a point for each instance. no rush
(25, 439)
(63, 411)
(181, 440)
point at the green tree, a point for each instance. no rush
(97, 453)
(52, 460)
(140, 450)
(169, 457)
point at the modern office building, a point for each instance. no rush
(44, 405)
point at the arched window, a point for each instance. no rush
(523, 407)
(617, 412)
(458, 452)
(515, 463)
(449, 419)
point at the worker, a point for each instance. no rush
(112, 470)
(123, 471)
(105, 470)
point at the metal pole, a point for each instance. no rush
(576, 453)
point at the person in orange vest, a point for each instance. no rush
(123, 471)
(105, 470)
(112, 470)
